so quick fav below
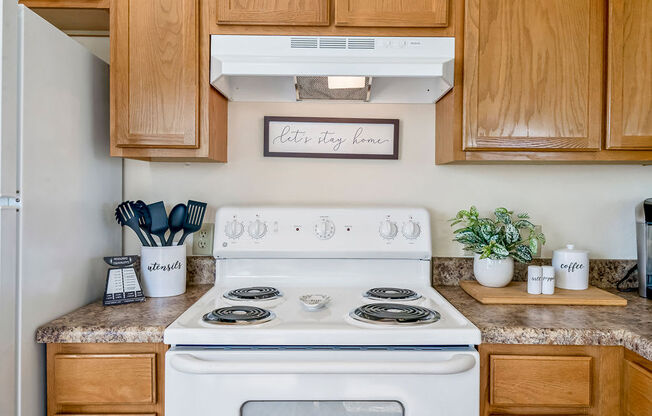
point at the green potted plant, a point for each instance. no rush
(496, 242)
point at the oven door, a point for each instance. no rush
(322, 382)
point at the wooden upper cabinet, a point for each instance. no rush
(533, 75)
(391, 13)
(273, 12)
(66, 4)
(630, 75)
(154, 73)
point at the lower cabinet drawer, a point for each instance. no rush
(106, 414)
(104, 379)
(532, 380)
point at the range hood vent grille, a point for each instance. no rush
(303, 43)
(362, 43)
(330, 42)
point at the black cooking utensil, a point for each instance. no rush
(194, 219)
(175, 221)
(159, 220)
(126, 215)
(145, 221)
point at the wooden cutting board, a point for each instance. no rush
(516, 294)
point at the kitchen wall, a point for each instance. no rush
(589, 205)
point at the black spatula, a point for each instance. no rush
(194, 219)
(159, 220)
(126, 215)
(145, 221)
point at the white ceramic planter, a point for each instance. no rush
(493, 273)
(163, 271)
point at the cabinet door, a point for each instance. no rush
(273, 12)
(154, 73)
(637, 389)
(104, 379)
(630, 74)
(391, 13)
(533, 75)
(543, 381)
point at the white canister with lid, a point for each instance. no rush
(571, 268)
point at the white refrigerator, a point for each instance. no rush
(58, 189)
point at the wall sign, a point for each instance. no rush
(340, 138)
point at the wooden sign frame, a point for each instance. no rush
(391, 154)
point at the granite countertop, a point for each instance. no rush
(629, 326)
(135, 322)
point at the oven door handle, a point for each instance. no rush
(187, 363)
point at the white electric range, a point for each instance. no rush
(372, 337)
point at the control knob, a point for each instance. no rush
(257, 229)
(411, 230)
(388, 229)
(234, 229)
(325, 229)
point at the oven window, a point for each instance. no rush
(322, 408)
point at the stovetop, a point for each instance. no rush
(293, 324)
(347, 255)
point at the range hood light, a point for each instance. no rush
(335, 83)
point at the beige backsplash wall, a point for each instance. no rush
(591, 206)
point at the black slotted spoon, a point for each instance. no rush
(125, 214)
(194, 219)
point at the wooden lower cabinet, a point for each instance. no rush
(543, 380)
(107, 379)
(637, 386)
(550, 380)
(128, 380)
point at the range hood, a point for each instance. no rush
(299, 68)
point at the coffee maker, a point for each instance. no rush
(644, 247)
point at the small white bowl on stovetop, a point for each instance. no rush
(314, 302)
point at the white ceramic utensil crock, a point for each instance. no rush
(163, 271)
(571, 268)
(493, 273)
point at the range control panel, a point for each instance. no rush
(286, 232)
